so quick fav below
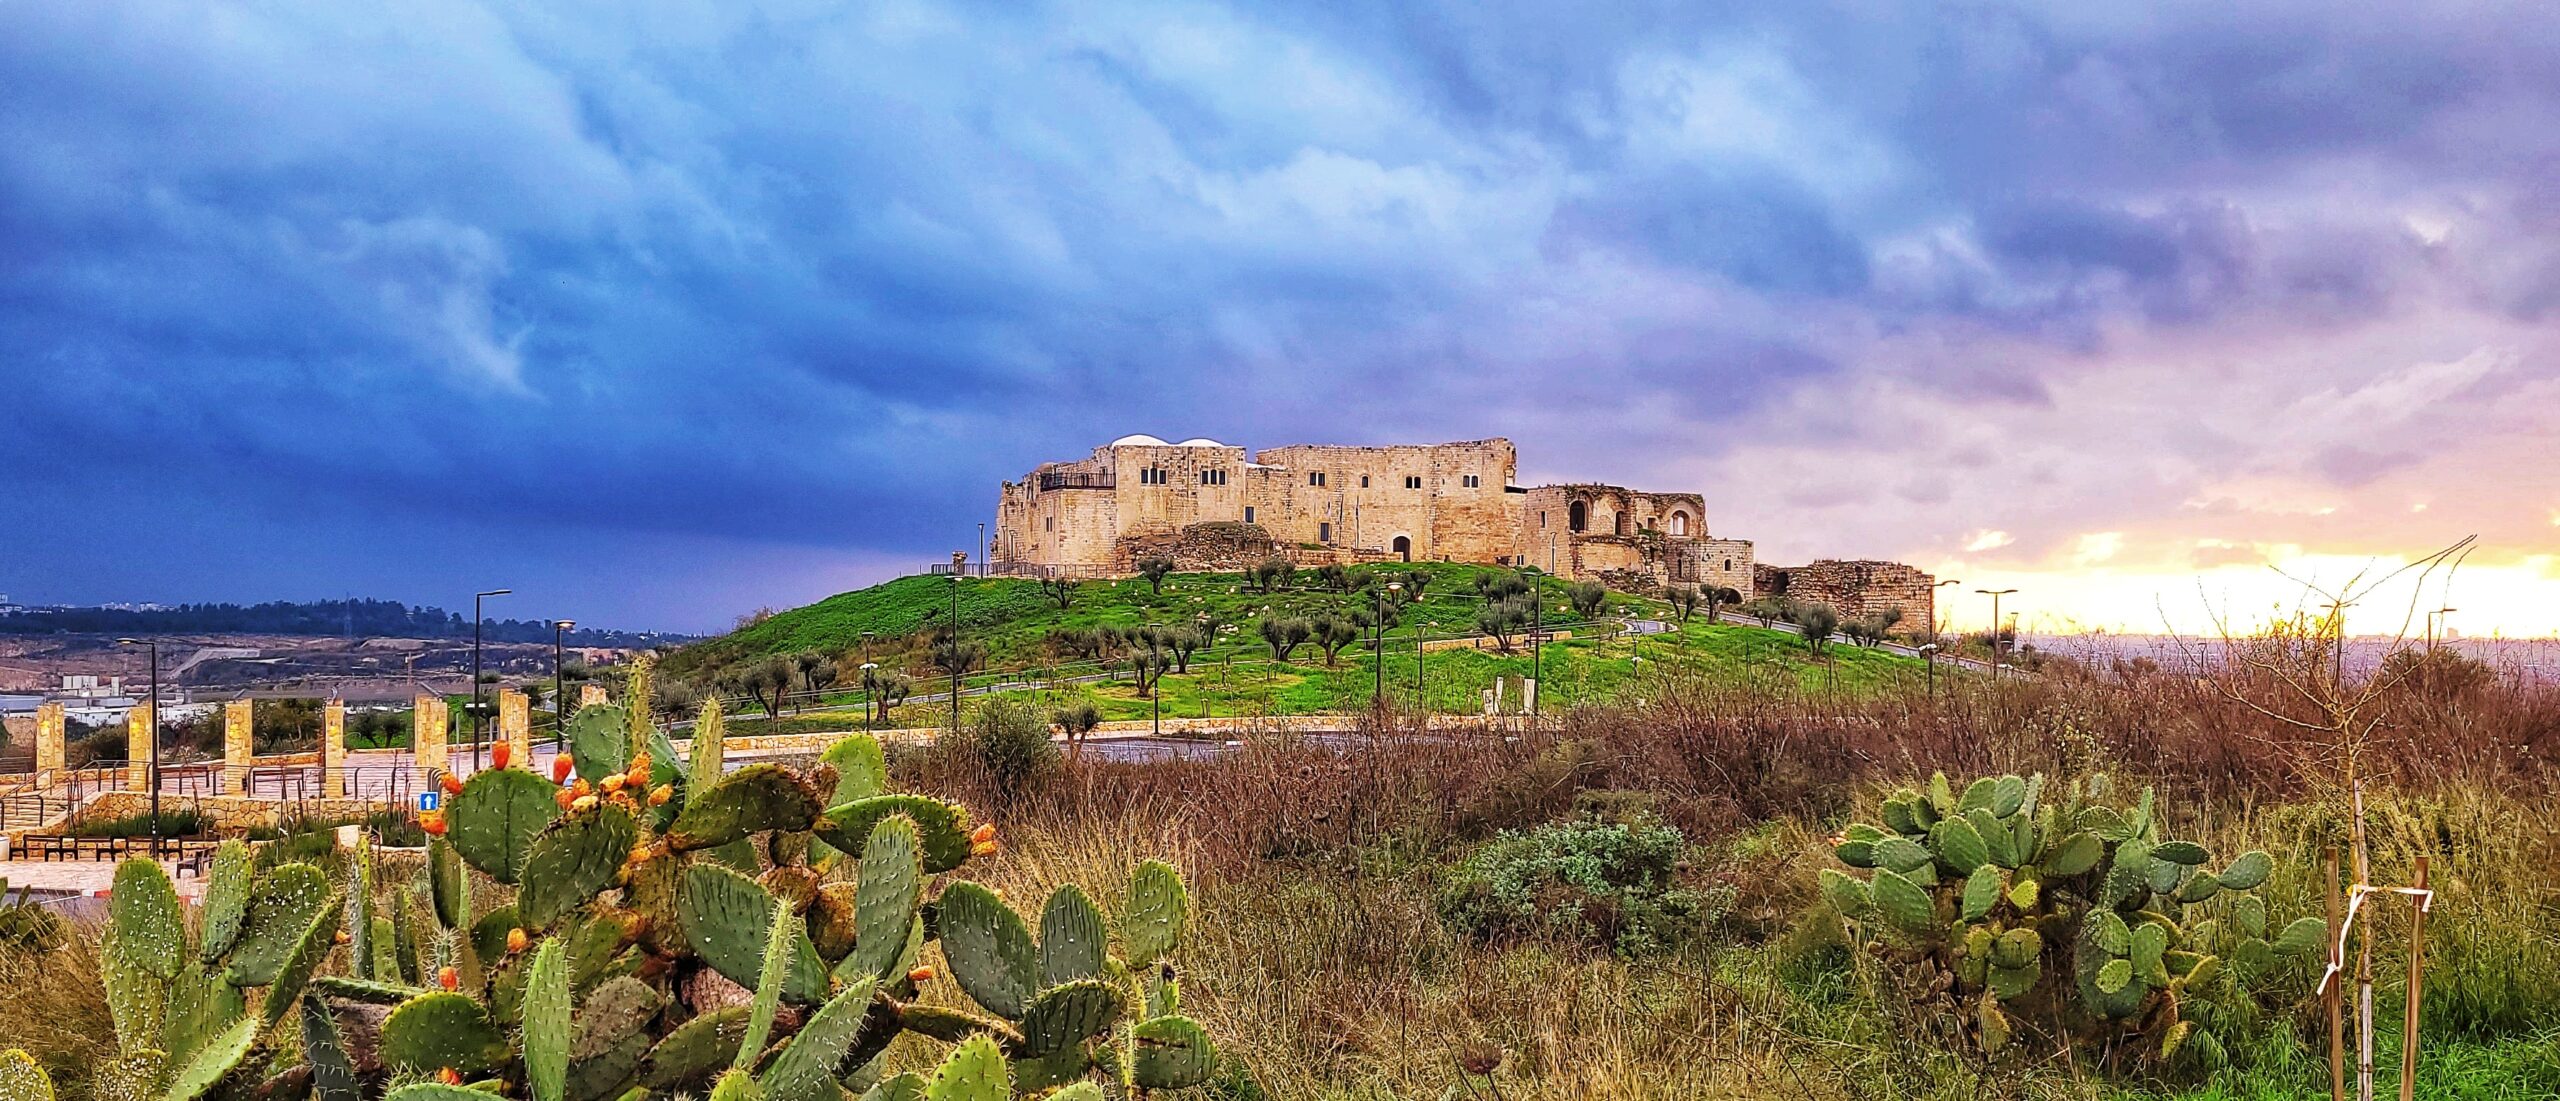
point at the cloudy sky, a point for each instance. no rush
(660, 312)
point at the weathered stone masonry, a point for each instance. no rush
(1211, 506)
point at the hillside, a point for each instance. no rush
(1235, 675)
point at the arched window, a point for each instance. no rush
(1403, 548)
(1679, 523)
(1576, 517)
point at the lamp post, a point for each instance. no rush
(982, 548)
(1378, 643)
(1938, 623)
(1538, 627)
(2435, 626)
(955, 655)
(154, 765)
(559, 701)
(477, 730)
(1155, 688)
(870, 685)
(1995, 595)
(1929, 655)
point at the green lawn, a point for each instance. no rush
(1243, 681)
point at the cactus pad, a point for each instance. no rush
(1981, 892)
(775, 970)
(727, 918)
(146, 920)
(862, 771)
(975, 1072)
(314, 945)
(213, 1062)
(441, 1029)
(1172, 1053)
(885, 902)
(2247, 871)
(1847, 893)
(545, 1030)
(989, 949)
(21, 1079)
(1159, 907)
(573, 860)
(495, 817)
(805, 1070)
(751, 800)
(600, 740)
(285, 901)
(942, 828)
(333, 1075)
(226, 899)
(1903, 902)
(696, 1050)
(1072, 937)
(1063, 1016)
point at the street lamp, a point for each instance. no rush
(870, 684)
(1538, 627)
(478, 731)
(154, 767)
(1155, 662)
(982, 548)
(955, 655)
(2435, 626)
(1929, 654)
(1938, 622)
(1995, 595)
(1378, 643)
(559, 702)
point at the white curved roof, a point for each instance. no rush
(1142, 439)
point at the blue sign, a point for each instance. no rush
(428, 800)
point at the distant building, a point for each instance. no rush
(1210, 505)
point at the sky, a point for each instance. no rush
(659, 313)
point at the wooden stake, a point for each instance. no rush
(2336, 984)
(2417, 961)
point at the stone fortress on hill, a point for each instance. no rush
(1209, 506)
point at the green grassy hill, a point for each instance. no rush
(1015, 619)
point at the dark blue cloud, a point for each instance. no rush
(642, 301)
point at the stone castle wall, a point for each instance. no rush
(1858, 588)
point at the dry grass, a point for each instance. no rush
(55, 1006)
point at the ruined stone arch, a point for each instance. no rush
(1577, 516)
(1679, 524)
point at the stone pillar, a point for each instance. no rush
(1528, 696)
(239, 719)
(591, 695)
(137, 747)
(429, 725)
(333, 750)
(48, 742)
(515, 724)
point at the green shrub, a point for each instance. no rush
(1606, 884)
(173, 823)
(1009, 740)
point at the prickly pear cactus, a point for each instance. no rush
(2010, 907)
(656, 924)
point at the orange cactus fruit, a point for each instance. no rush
(560, 767)
(659, 795)
(611, 784)
(986, 831)
(582, 804)
(984, 848)
(434, 826)
(582, 786)
(342, 937)
(516, 939)
(448, 978)
(452, 784)
(920, 974)
(640, 853)
(565, 798)
(500, 752)
(449, 1076)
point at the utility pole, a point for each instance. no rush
(1929, 655)
(870, 686)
